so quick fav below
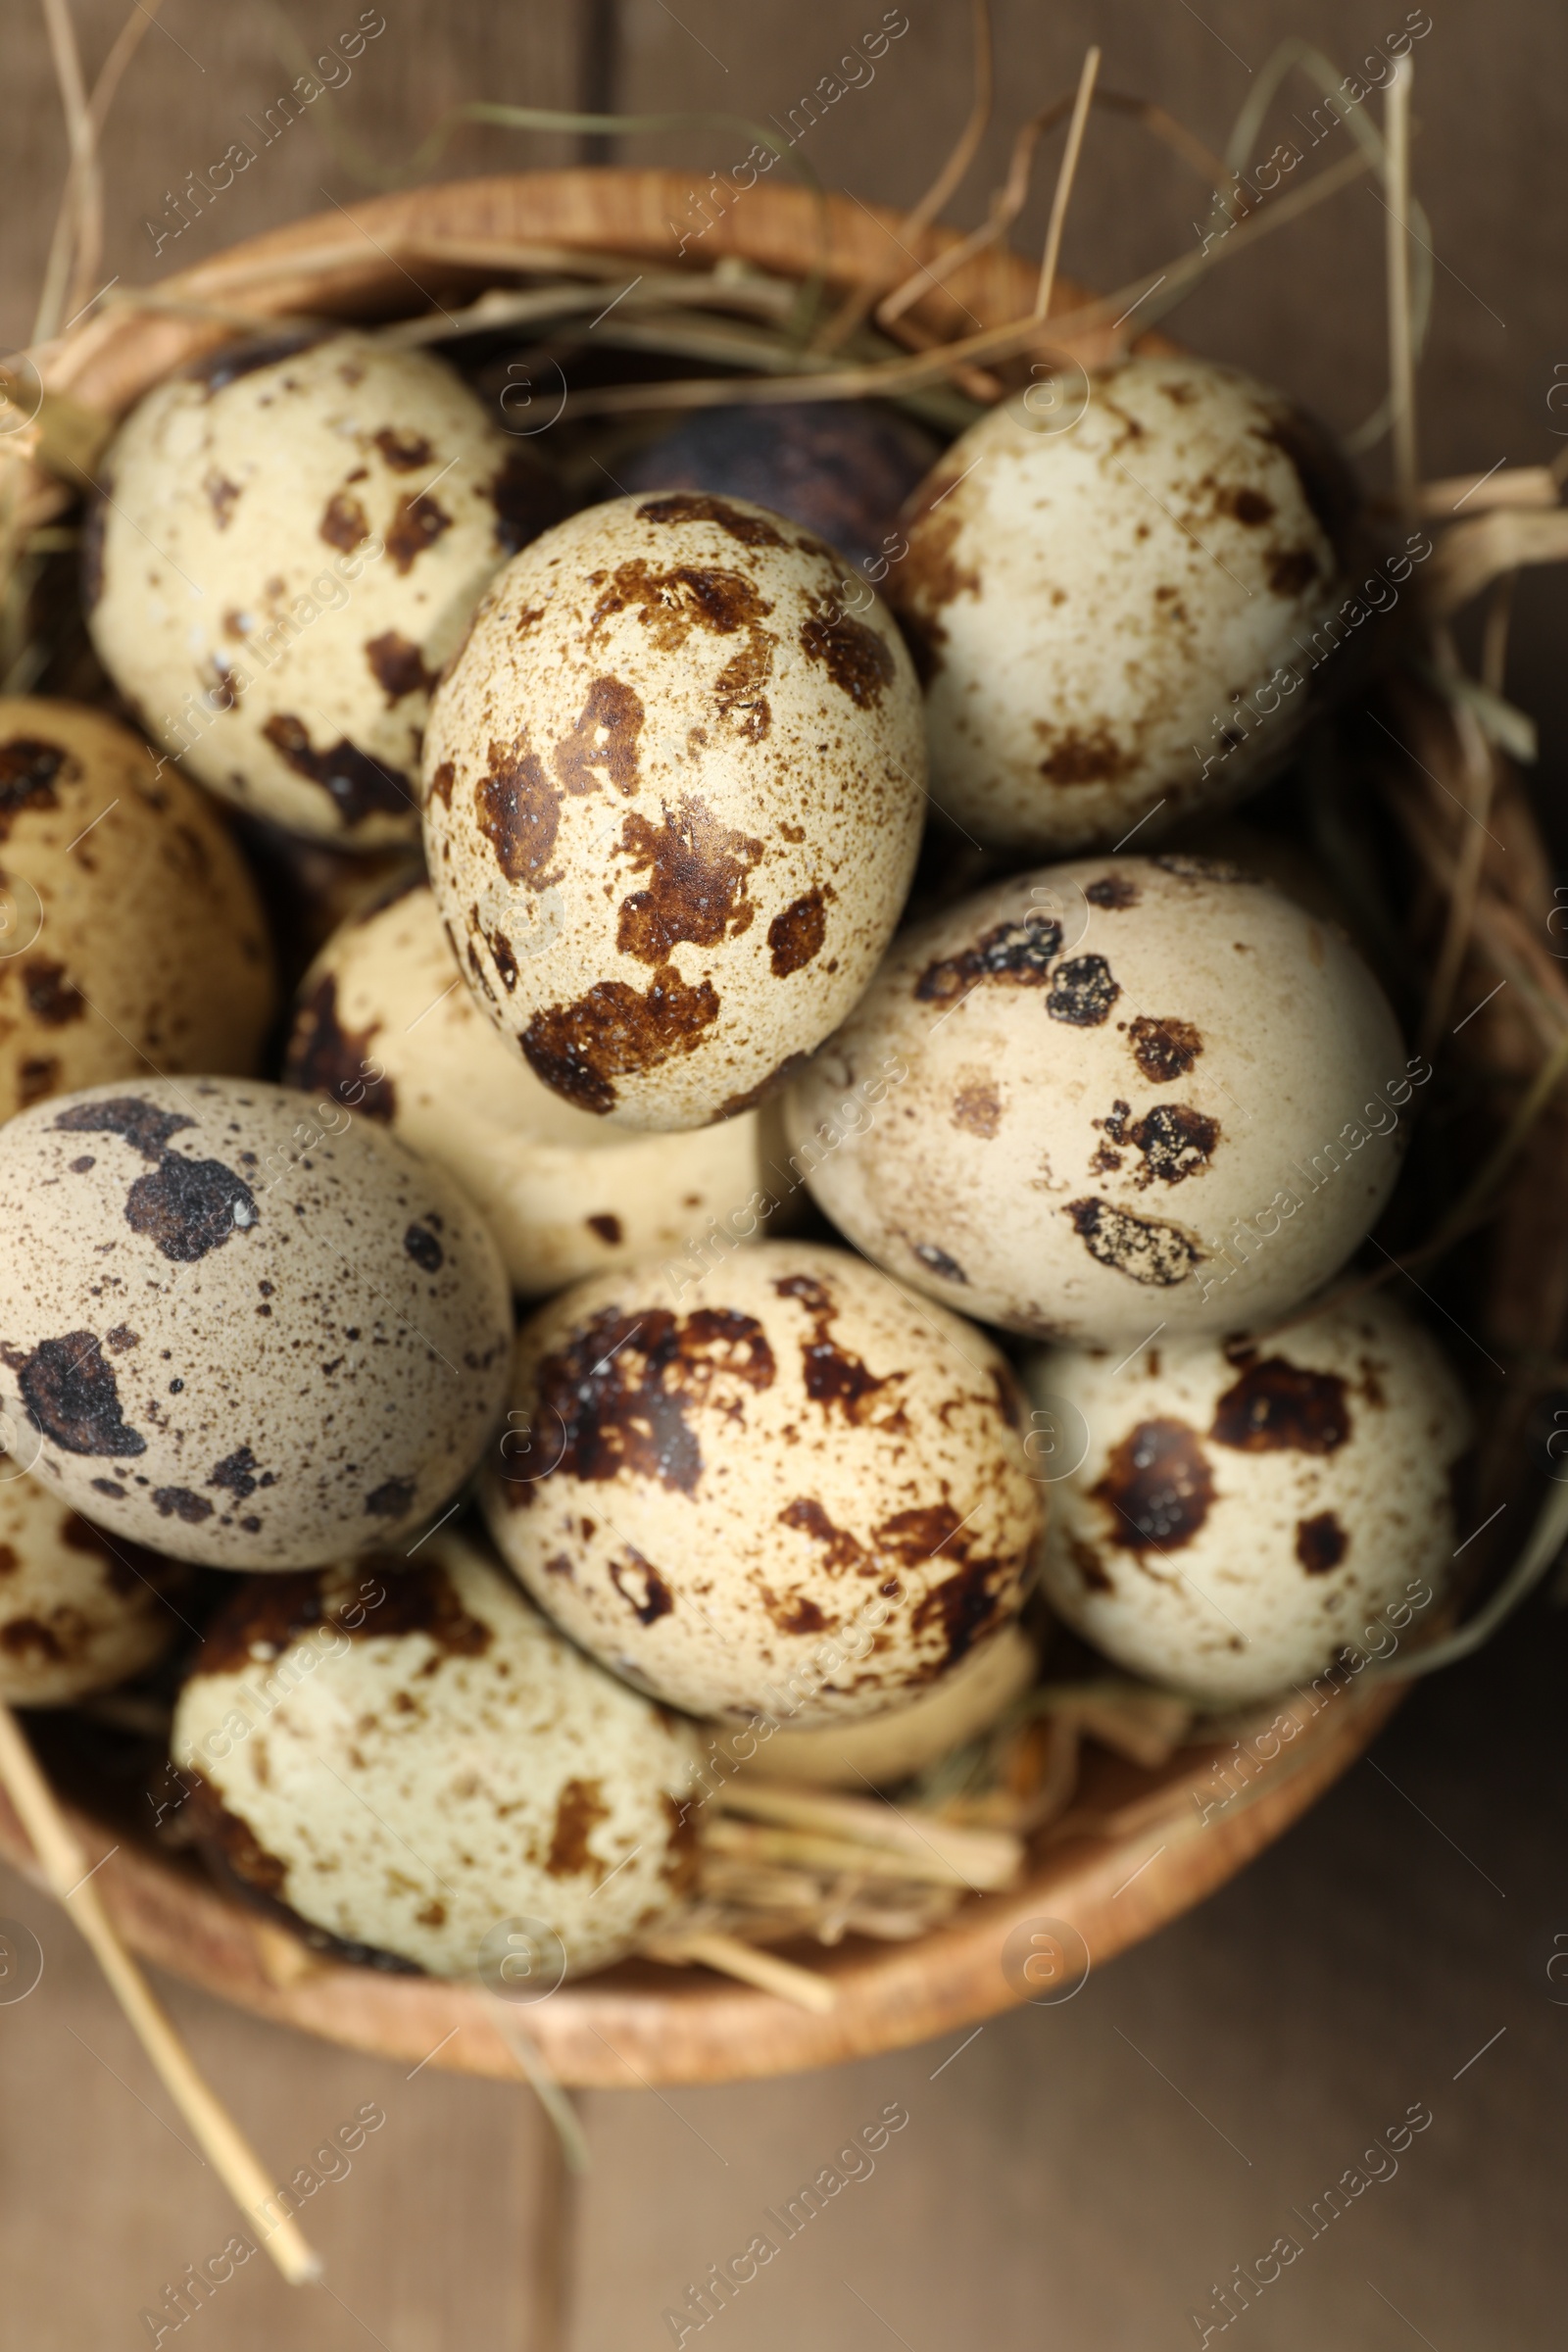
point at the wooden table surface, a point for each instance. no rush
(1085, 2176)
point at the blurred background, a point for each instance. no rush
(1082, 2175)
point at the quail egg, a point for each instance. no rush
(292, 538)
(1243, 1509)
(414, 1760)
(673, 789)
(385, 1024)
(131, 938)
(79, 1610)
(1109, 1097)
(1097, 589)
(842, 468)
(781, 1487)
(248, 1329)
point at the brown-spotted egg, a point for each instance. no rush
(673, 793)
(783, 1489)
(385, 1024)
(292, 537)
(245, 1328)
(1114, 591)
(1109, 1097)
(79, 1610)
(131, 938)
(1241, 1510)
(414, 1760)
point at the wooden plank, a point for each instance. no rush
(442, 2226)
(209, 77)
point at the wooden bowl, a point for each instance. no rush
(1138, 1848)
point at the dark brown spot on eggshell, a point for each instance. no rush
(967, 1599)
(1143, 1249)
(132, 1118)
(671, 603)
(977, 1107)
(606, 736)
(358, 785)
(426, 1251)
(188, 1207)
(1280, 1406)
(221, 496)
(344, 522)
(607, 1227)
(738, 688)
(931, 576)
(835, 1378)
(1156, 1487)
(1115, 893)
(398, 666)
(1165, 1049)
(29, 768)
(795, 934)
(938, 1262)
(1248, 506)
(1082, 991)
(642, 1588)
(697, 871)
(840, 1551)
(1176, 1142)
(1078, 756)
(324, 1057)
(418, 524)
(270, 1612)
(623, 1387)
(1321, 1543)
(238, 1473)
(52, 998)
(702, 505)
(71, 1397)
(518, 812)
(854, 656)
(405, 453)
(1018, 955)
(178, 1502)
(580, 1810)
(580, 1050)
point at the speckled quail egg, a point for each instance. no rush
(673, 790)
(414, 1760)
(79, 1610)
(293, 536)
(779, 1488)
(842, 468)
(1245, 1509)
(1109, 1097)
(885, 1750)
(131, 938)
(247, 1328)
(385, 1024)
(1097, 588)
